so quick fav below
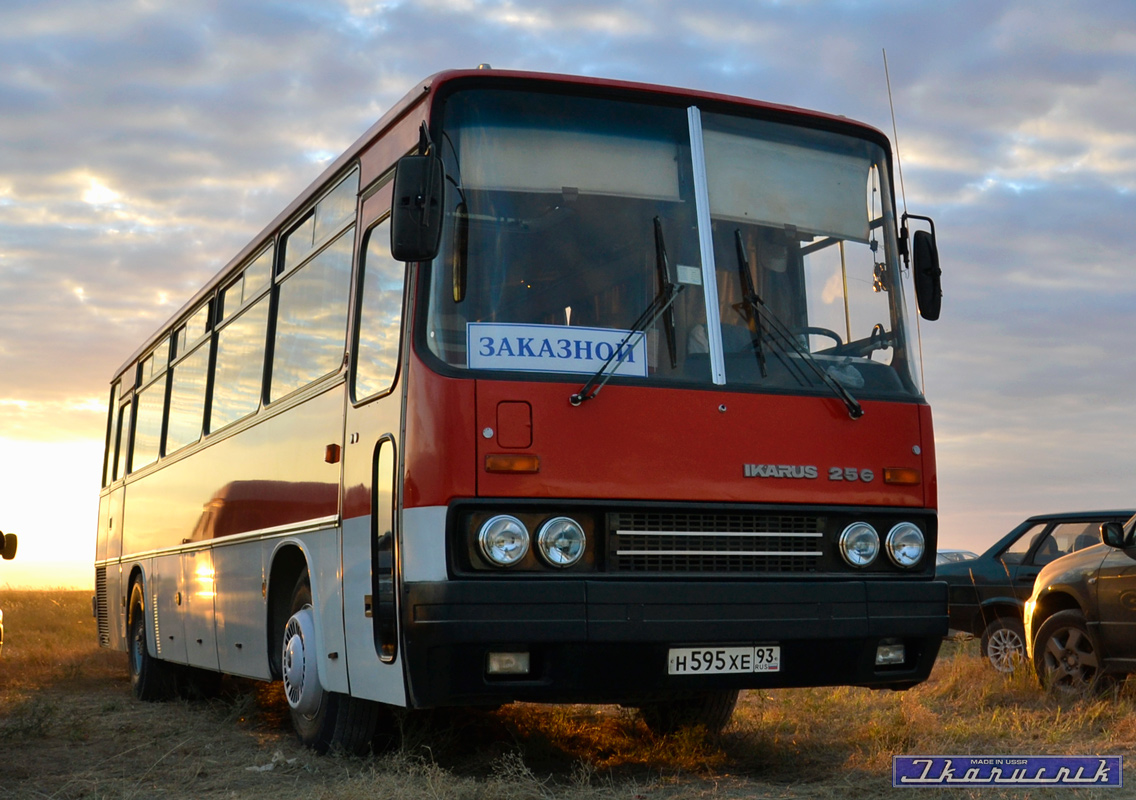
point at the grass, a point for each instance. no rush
(69, 728)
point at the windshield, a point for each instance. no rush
(568, 217)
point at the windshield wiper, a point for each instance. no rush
(782, 337)
(751, 303)
(661, 306)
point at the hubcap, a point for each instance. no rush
(1071, 661)
(301, 684)
(1005, 650)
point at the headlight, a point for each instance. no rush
(560, 541)
(859, 544)
(504, 540)
(905, 544)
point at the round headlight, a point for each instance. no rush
(859, 544)
(504, 540)
(560, 541)
(905, 544)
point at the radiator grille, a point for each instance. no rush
(102, 611)
(702, 543)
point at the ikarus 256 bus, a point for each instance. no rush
(549, 389)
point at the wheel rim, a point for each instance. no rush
(137, 647)
(1071, 663)
(1005, 649)
(301, 684)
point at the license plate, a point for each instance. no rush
(723, 660)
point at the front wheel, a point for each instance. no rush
(1065, 656)
(711, 710)
(1004, 643)
(323, 720)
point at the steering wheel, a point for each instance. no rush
(810, 329)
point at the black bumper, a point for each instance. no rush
(607, 641)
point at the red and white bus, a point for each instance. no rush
(549, 389)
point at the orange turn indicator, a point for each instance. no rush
(509, 462)
(902, 476)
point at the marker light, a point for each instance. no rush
(859, 544)
(561, 541)
(504, 540)
(506, 462)
(905, 544)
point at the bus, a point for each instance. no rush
(549, 389)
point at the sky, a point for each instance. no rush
(143, 143)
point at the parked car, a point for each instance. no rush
(953, 556)
(987, 594)
(1080, 621)
(8, 544)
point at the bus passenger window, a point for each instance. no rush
(124, 420)
(240, 366)
(311, 319)
(187, 399)
(148, 426)
(380, 319)
(112, 437)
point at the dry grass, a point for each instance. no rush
(69, 728)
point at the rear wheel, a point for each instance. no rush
(1004, 643)
(1065, 656)
(150, 678)
(711, 710)
(323, 720)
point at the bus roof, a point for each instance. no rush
(429, 87)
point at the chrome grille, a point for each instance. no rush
(701, 543)
(102, 614)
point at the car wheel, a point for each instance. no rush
(323, 720)
(1004, 643)
(711, 710)
(1065, 656)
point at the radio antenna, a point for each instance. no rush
(895, 133)
(903, 194)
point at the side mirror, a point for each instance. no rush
(416, 216)
(928, 283)
(8, 546)
(1112, 534)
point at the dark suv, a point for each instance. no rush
(1080, 620)
(987, 594)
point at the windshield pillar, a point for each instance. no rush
(706, 248)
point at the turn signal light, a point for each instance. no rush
(902, 476)
(510, 462)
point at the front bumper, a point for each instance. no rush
(594, 641)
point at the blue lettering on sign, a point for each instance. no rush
(554, 348)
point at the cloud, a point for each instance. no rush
(147, 141)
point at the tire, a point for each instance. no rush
(323, 720)
(711, 710)
(1004, 643)
(1065, 657)
(151, 679)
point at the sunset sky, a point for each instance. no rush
(144, 142)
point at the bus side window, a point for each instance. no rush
(380, 317)
(112, 437)
(148, 424)
(311, 319)
(124, 421)
(150, 414)
(239, 371)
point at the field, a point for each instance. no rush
(69, 728)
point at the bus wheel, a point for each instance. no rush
(150, 678)
(711, 710)
(323, 720)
